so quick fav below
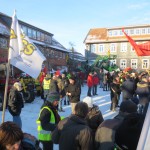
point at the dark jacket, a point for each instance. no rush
(15, 102)
(128, 89)
(46, 115)
(65, 83)
(75, 90)
(72, 133)
(143, 91)
(94, 118)
(105, 134)
(53, 86)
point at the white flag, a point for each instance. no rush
(23, 54)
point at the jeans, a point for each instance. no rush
(89, 91)
(17, 120)
(60, 102)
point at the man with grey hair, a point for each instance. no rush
(73, 133)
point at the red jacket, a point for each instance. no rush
(95, 80)
(90, 81)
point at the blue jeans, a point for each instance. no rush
(17, 120)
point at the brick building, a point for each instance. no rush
(54, 52)
(100, 41)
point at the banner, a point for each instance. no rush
(140, 49)
(23, 54)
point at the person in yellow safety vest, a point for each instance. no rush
(46, 86)
(47, 121)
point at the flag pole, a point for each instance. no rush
(6, 90)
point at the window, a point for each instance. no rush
(123, 47)
(148, 30)
(137, 31)
(115, 32)
(110, 33)
(101, 48)
(24, 29)
(42, 37)
(92, 48)
(34, 34)
(134, 63)
(3, 43)
(29, 32)
(121, 33)
(38, 35)
(48, 39)
(145, 64)
(123, 63)
(143, 31)
(113, 47)
(132, 31)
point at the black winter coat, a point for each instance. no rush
(143, 91)
(94, 118)
(46, 115)
(75, 90)
(128, 89)
(15, 102)
(72, 133)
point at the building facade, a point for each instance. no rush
(112, 41)
(54, 52)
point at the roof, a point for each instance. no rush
(8, 20)
(56, 46)
(98, 35)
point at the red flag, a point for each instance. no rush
(140, 49)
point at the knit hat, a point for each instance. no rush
(53, 96)
(128, 106)
(72, 78)
(89, 101)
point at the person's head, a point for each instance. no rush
(53, 97)
(81, 109)
(88, 100)
(48, 76)
(18, 86)
(128, 107)
(72, 80)
(63, 75)
(10, 136)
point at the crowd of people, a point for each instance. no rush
(86, 128)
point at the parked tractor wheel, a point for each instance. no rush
(29, 96)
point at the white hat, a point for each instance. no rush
(89, 101)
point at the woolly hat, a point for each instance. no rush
(52, 97)
(72, 78)
(128, 106)
(89, 101)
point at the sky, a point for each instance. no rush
(71, 20)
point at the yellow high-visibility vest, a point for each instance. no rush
(46, 84)
(44, 135)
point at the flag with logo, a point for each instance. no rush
(140, 49)
(23, 54)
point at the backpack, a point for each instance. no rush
(30, 142)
